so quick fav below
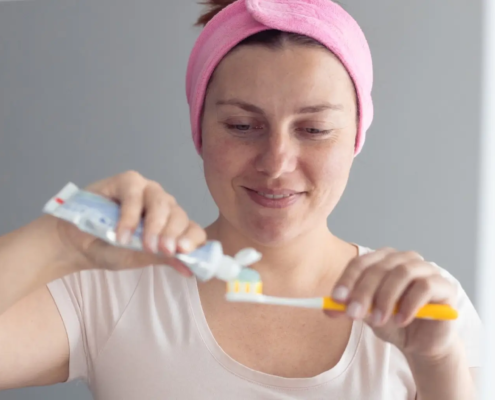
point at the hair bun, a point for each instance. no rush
(213, 7)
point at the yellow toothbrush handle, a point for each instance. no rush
(430, 311)
(441, 312)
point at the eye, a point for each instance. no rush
(242, 127)
(315, 131)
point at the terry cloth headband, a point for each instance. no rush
(322, 20)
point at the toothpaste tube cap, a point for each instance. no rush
(229, 268)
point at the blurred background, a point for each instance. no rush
(91, 88)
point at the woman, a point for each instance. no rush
(280, 102)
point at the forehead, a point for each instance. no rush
(287, 72)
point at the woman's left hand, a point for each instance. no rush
(385, 278)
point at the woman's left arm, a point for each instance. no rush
(445, 377)
(435, 350)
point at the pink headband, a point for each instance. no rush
(322, 20)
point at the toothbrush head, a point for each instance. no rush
(247, 284)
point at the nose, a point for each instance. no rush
(277, 155)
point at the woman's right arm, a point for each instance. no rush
(33, 344)
(34, 348)
(30, 257)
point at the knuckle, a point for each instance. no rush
(131, 176)
(357, 267)
(159, 203)
(424, 284)
(156, 194)
(387, 250)
(402, 271)
(412, 254)
(170, 200)
(373, 273)
(179, 212)
(177, 223)
(154, 187)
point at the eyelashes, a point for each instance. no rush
(242, 127)
(314, 131)
(245, 129)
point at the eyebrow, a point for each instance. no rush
(257, 110)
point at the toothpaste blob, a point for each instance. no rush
(99, 217)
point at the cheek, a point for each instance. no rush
(330, 169)
(223, 160)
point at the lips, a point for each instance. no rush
(274, 198)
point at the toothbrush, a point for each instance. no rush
(249, 288)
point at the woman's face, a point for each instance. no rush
(278, 123)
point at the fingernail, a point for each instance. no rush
(153, 243)
(376, 317)
(185, 244)
(340, 293)
(170, 245)
(125, 237)
(354, 310)
(399, 319)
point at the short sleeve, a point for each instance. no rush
(469, 325)
(91, 304)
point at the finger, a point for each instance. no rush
(394, 286)
(131, 210)
(111, 187)
(191, 238)
(432, 289)
(353, 271)
(177, 223)
(157, 206)
(362, 294)
(125, 189)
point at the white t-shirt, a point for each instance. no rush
(142, 334)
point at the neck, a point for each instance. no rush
(302, 266)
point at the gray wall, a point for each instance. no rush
(91, 88)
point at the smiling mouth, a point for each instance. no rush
(275, 196)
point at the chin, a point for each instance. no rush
(271, 233)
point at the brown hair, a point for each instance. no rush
(271, 38)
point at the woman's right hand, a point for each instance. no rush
(167, 228)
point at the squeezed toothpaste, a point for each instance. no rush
(99, 216)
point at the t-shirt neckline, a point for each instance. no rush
(262, 378)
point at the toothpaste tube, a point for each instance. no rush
(99, 217)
